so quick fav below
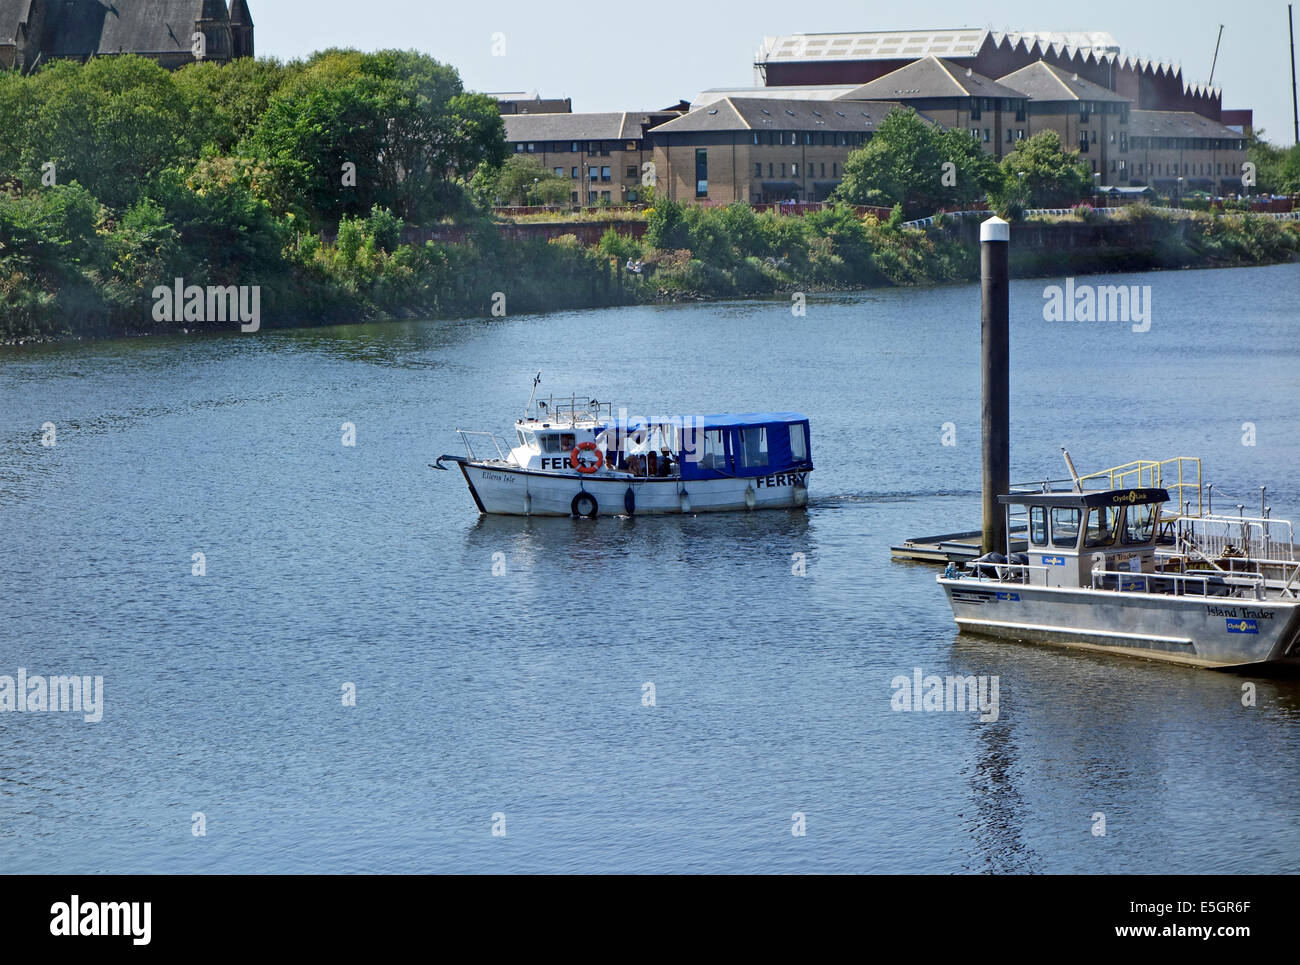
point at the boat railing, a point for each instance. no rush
(1211, 582)
(484, 440)
(1181, 476)
(575, 409)
(1249, 537)
(1019, 573)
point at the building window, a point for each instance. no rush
(794, 169)
(593, 174)
(771, 170)
(1123, 141)
(835, 169)
(701, 173)
(975, 109)
(631, 170)
(532, 148)
(573, 148)
(631, 145)
(575, 197)
(1010, 135)
(604, 195)
(782, 169)
(519, 148)
(591, 197)
(559, 172)
(986, 135)
(605, 174)
(574, 175)
(758, 169)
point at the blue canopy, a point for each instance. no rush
(723, 420)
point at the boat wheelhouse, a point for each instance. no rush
(578, 458)
(1106, 570)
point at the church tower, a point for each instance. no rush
(241, 28)
(213, 21)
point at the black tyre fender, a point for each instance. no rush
(584, 504)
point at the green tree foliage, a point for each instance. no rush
(1039, 174)
(917, 165)
(1277, 169)
(400, 119)
(112, 125)
(520, 180)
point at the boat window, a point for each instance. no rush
(567, 442)
(715, 450)
(753, 446)
(551, 442)
(798, 443)
(1140, 523)
(1103, 523)
(1038, 525)
(1065, 526)
(520, 434)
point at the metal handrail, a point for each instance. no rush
(464, 434)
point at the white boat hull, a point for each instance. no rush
(1197, 630)
(516, 492)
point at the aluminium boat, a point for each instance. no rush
(1105, 569)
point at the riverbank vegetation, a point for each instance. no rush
(321, 183)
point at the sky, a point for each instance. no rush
(633, 56)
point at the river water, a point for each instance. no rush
(500, 665)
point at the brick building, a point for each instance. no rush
(956, 98)
(1089, 118)
(859, 58)
(33, 32)
(761, 150)
(603, 154)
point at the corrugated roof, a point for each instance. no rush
(1042, 81)
(931, 77)
(908, 44)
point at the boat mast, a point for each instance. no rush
(537, 380)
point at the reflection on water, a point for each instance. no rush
(501, 663)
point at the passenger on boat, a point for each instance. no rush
(652, 463)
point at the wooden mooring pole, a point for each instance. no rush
(995, 309)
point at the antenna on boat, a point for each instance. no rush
(1069, 464)
(537, 380)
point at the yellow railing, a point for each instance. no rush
(1153, 474)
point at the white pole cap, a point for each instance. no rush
(995, 229)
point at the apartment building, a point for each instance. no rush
(1088, 118)
(956, 98)
(604, 155)
(762, 150)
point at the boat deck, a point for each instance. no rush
(951, 547)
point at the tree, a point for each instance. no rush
(917, 165)
(113, 125)
(1039, 174)
(1277, 169)
(227, 101)
(520, 180)
(393, 128)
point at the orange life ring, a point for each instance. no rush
(586, 468)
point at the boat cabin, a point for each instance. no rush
(760, 446)
(756, 445)
(1073, 534)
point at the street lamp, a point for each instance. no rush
(1178, 203)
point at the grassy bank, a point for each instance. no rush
(71, 268)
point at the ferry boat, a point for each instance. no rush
(1106, 569)
(575, 457)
